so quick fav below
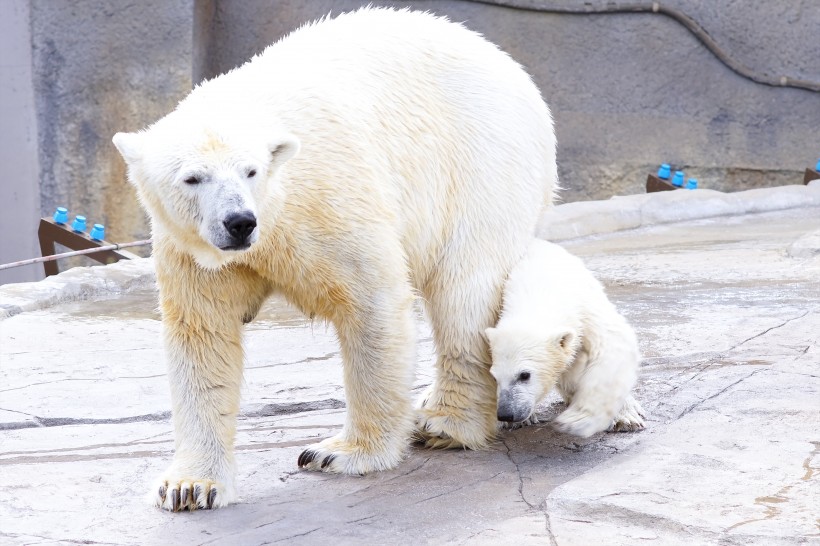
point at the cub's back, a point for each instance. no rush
(549, 282)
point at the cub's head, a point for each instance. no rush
(203, 187)
(526, 365)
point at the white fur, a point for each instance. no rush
(558, 327)
(396, 154)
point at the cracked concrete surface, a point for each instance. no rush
(727, 315)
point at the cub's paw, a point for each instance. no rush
(531, 420)
(580, 423)
(340, 456)
(176, 494)
(630, 418)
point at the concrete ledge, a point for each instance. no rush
(585, 218)
(79, 283)
(564, 222)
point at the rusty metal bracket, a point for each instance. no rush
(51, 233)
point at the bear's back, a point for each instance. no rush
(404, 119)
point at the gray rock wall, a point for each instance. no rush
(628, 91)
(102, 67)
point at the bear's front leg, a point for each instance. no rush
(203, 314)
(377, 339)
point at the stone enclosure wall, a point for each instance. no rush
(628, 91)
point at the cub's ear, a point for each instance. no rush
(129, 145)
(282, 148)
(566, 341)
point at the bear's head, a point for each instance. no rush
(203, 186)
(526, 366)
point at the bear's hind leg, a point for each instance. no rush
(459, 409)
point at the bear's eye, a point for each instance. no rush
(251, 173)
(191, 180)
(524, 376)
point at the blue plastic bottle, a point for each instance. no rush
(692, 184)
(663, 172)
(677, 180)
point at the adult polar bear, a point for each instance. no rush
(356, 163)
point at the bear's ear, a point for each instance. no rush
(129, 145)
(281, 149)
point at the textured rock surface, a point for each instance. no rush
(728, 323)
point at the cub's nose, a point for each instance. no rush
(506, 415)
(240, 225)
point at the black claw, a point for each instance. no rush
(307, 457)
(175, 500)
(211, 497)
(162, 490)
(197, 494)
(328, 460)
(186, 493)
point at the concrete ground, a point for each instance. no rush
(727, 311)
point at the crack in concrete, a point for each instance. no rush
(64, 421)
(307, 360)
(275, 409)
(520, 477)
(367, 488)
(34, 459)
(294, 536)
(268, 410)
(460, 488)
(57, 540)
(764, 332)
(55, 381)
(721, 391)
(221, 539)
(548, 524)
(86, 448)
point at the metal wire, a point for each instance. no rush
(74, 253)
(655, 7)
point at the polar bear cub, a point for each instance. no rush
(557, 328)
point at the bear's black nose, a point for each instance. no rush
(240, 225)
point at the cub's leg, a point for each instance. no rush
(202, 315)
(597, 385)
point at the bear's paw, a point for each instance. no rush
(440, 429)
(339, 456)
(178, 494)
